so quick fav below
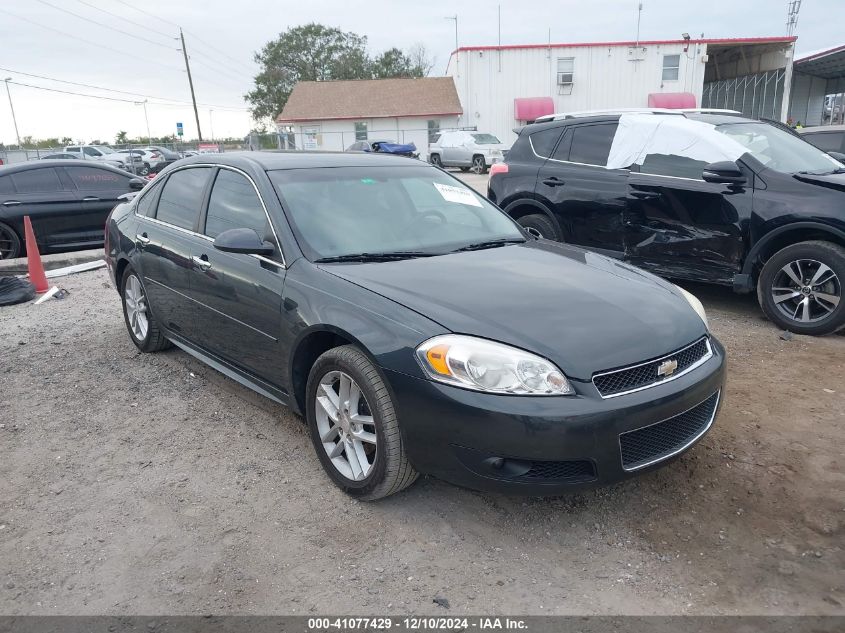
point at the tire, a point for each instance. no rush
(10, 243)
(434, 159)
(150, 339)
(387, 469)
(804, 308)
(540, 226)
(479, 165)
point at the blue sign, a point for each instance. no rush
(179, 130)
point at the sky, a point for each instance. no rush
(131, 46)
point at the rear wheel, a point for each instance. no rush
(540, 226)
(434, 159)
(479, 166)
(800, 288)
(140, 322)
(354, 427)
(10, 243)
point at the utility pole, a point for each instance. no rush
(191, 84)
(457, 56)
(12, 108)
(146, 118)
(211, 123)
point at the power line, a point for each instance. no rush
(125, 92)
(217, 50)
(106, 26)
(89, 43)
(116, 15)
(152, 15)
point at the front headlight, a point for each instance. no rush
(483, 365)
(696, 305)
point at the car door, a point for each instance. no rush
(98, 190)
(450, 150)
(240, 295)
(680, 226)
(50, 203)
(165, 238)
(587, 199)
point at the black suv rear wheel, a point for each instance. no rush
(800, 288)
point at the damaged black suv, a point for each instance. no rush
(698, 195)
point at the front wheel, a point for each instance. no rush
(800, 288)
(353, 426)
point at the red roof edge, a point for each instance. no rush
(728, 40)
(368, 116)
(808, 58)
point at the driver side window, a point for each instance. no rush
(234, 204)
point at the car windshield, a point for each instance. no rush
(106, 150)
(352, 210)
(486, 139)
(779, 150)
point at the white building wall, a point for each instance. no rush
(807, 99)
(488, 81)
(337, 135)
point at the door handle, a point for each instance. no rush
(199, 262)
(91, 199)
(645, 195)
(142, 240)
(11, 203)
(554, 181)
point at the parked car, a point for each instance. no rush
(67, 200)
(59, 156)
(471, 151)
(385, 147)
(705, 197)
(828, 138)
(149, 160)
(414, 325)
(100, 153)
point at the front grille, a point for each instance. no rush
(662, 440)
(621, 381)
(566, 472)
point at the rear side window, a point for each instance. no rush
(591, 143)
(181, 197)
(234, 205)
(544, 141)
(93, 179)
(6, 185)
(42, 180)
(826, 141)
(146, 202)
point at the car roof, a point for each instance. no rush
(58, 162)
(706, 117)
(297, 159)
(821, 128)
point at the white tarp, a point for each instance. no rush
(640, 135)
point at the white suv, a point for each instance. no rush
(471, 151)
(98, 152)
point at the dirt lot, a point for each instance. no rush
(137, 483)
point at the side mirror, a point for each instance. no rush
(838, 156)
(724, 172)
(245, 241)
(136, 184)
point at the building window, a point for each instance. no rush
(360, 131)
(433, 130)
(671, 64)
(565, 71)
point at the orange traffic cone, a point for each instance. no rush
(33, 259)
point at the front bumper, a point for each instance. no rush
(495, 443)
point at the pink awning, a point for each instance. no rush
(529, 108)
(671, 100)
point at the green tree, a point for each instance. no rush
(311, 52)
(392, 63)
(122, 138)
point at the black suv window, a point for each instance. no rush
(544, 141)
(93, 179)
(234, 205)
(826, 141)
(591, 143)
(182, 196)
(42, 180)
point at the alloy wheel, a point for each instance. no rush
(136, 307)
(7, 243)
(477, 165)
(806, 290)
(533, 232)
(346, 425)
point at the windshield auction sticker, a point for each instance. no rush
(457, 194)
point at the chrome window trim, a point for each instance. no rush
(645, 173)
(707, 356)
(692, 441)
(283, 263)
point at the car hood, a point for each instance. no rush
(831, 181)
(583, 311)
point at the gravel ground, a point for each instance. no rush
(150, 484)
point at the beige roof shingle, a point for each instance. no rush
(371, 98)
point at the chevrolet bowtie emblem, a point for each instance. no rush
(667, 367)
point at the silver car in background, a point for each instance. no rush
(471, 151)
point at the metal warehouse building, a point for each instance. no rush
(501, 87)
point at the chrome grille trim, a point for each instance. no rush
(707, 356)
